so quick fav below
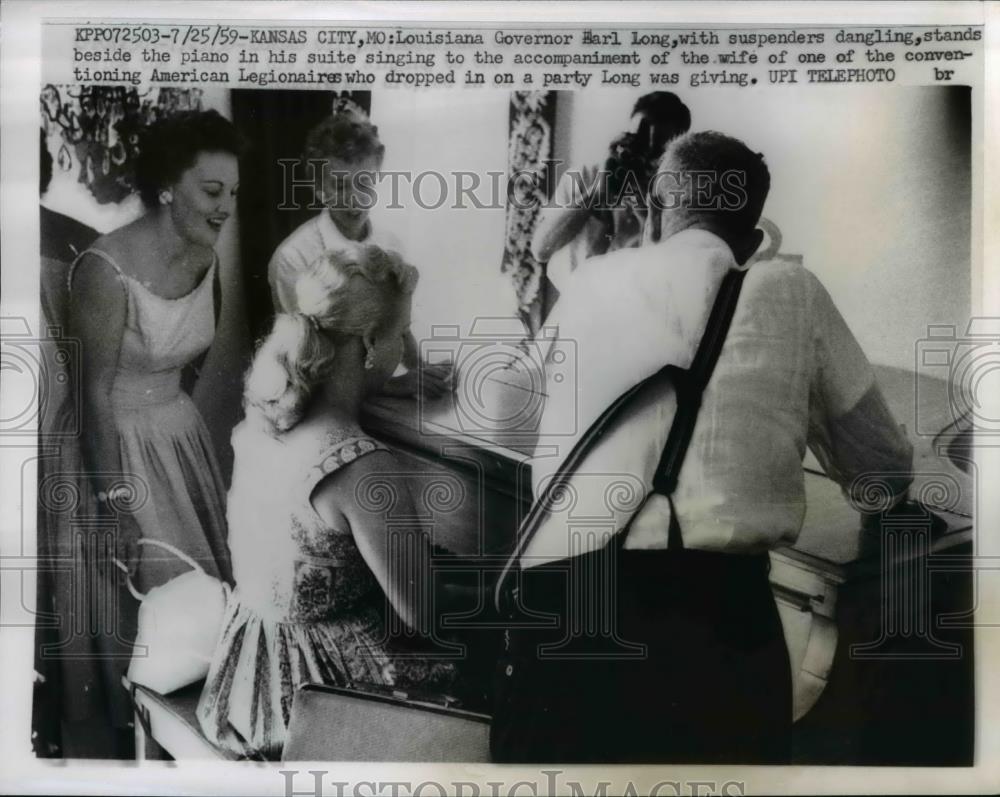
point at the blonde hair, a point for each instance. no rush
(354, 291)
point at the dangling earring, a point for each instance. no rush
(166, 197)
(370, 360)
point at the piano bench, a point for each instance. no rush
(166, 726)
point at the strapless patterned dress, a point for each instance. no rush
(306, 607)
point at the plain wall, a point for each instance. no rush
(458, 250)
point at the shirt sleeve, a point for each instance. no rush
(569, 200)
(851, 430)
(282, 272)
(574, 186)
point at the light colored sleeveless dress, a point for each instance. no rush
(165, 449)
(306, 607)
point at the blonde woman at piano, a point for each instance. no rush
(313, 557)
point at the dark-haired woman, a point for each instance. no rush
(143, 305)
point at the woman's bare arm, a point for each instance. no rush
(576, 195)
(433, 380)
(97, 312)
(373, 496)
(556, 228)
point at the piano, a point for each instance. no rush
(878, 627)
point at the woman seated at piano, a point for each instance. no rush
(314, 558)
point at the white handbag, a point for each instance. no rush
(179, 626)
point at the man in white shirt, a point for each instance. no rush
(666, 643)
(347, 152)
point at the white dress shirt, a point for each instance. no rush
(790, 375)
(300, 249)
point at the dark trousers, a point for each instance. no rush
(654, 656)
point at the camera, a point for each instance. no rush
(502, 376)
(966, 374)
(630, 165)
(43, 382)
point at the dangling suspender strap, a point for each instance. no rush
(689, 385)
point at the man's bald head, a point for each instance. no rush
(711, 181)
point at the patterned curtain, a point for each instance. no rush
(532, 114)
(94, 130)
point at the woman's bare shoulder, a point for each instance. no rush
(366, 475)
(362, 491)
(129, 246)
(97, 271)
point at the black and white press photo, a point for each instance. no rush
(554, 392)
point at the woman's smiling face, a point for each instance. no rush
(205, 196)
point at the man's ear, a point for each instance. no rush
(746, 246)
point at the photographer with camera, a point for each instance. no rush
(601, 208)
